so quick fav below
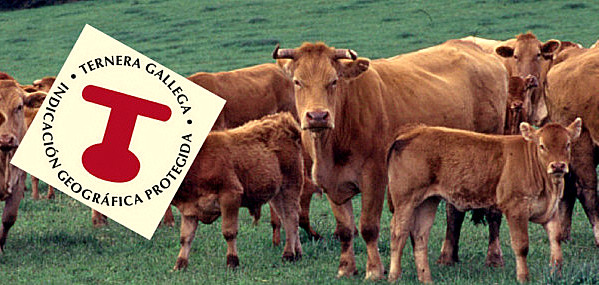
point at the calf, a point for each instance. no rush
(12, 129)
(248, 166)
(520, 176)
(518, 106)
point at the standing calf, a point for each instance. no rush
(248, 166)
(521, 176)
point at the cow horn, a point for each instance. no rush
(345, 54)
(283, 53)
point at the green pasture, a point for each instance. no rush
(53, 241)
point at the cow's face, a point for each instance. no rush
(529, 56)
(317, 72)
(553, 143)
(13, 102)
(519, 102)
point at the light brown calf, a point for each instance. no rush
(521, 176)
(248, 166)
(518, 102)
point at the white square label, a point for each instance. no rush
(118, 131)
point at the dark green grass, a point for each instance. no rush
(54, 242)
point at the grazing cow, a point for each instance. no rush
(521, 176)
(248, 166)
(350, 107)
(518, 102)
(12, 129)
(572, 91)
(252, 93)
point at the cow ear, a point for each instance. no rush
(549, 48)
(575, 129)
(528, 132)
(34, 100)
(286, 65)
(353, 68)
(505, 51)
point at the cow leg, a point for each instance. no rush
(553, 229)
(566, 206)
(189, 224)
(518, 225)
(169, 219)
(449, 251)
(287, 208)
(373, 198)
(50, 193)
(424, 216)
(9, 216)
(494, 254)
(401, 226)
(98, 219)
(275, 222)
(345, 231)
(229, 205)
(305, 198)
(584, 164)
(35, 192)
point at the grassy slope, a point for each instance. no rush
(53, 241)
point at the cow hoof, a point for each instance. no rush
(494, 261)
(393, 277)
(99, 224)
(232, 261)
(290, 257)
(35, 197)
(374, 275)
(346, 270)
(180, 264)
(50, 196)
(445, 259)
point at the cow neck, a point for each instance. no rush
(9, 174)
(543, 186)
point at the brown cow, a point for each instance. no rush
(572, 89)
(529, 56)
(12, 130)
(248, 166)
(523, 56)
(522, 178)
(518, 102)
(42, 85)
(251, 93)
(350, 109)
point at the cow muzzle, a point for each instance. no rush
(558, 169)
(317, 121)
(8, 142)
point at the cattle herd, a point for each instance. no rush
(452, 122)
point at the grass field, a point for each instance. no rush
(53, 241)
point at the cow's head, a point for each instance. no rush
(317, 72)
(45, 83)
(12, 109)
(529, 56)
(518, 101)
(552, 144)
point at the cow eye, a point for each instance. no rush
(333, 83)
(297, 83)
(568, 146)
(515, 57)
(19, 108)
(542, 147)
(538, 55)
